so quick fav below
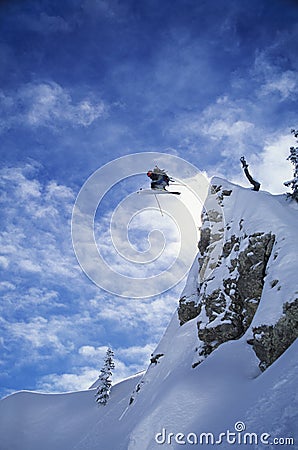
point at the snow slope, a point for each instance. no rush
(172, 403)
(216, 395)
(35, 421)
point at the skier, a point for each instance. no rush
(159, 178)
(256, 184)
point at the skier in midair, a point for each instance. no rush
(159, 178)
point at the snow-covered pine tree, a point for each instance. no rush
(103, 390)
(293, 157)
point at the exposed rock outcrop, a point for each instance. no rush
(269, 342)
(230, 309)
(188, 309)
(232, 270)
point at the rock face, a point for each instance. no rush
(233, 263)
(236, 302)
(269, 342)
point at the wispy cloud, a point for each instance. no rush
(284, 84)
(274, 76)
(48, 104)
(133, 242)
(128, 361)
(40, 333)
(228, 123)
(272, 168)
(64, 382)
(141, 315)
(36, 219)
(49, 309)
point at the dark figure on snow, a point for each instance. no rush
(159, 178)
(256, 184)
(154, 358)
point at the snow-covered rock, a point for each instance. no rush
(249, 258)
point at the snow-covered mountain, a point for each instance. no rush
(225, 371)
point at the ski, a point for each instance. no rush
(157, 192)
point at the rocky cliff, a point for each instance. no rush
(247, 253)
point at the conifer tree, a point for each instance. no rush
(293, 158)
(103, 390)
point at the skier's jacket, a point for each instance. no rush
(158, 177)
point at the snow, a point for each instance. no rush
(190, 288)
(35, 421)
(172, 396)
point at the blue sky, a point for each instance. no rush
(84, 82)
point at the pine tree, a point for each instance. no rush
(103, 390)
(293, 158)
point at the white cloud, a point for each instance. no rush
(284, 84)
(136, 353)
(4, 262)
(223, 127)
(122, 370)
(19, 179)
(54, 190)
(274, 79)
(85, 377)
(90, 352)
(48, 104)
(36, 232)
(52, 322)
(226, 118)
(130, 247)
(270, 166)
(29, 266)
(22, 305)
(232, 131)
(40, 332)
(68, 381)
(149, 315)
(128, 361)
(7, 285)
(135, 266)
(273, 168)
